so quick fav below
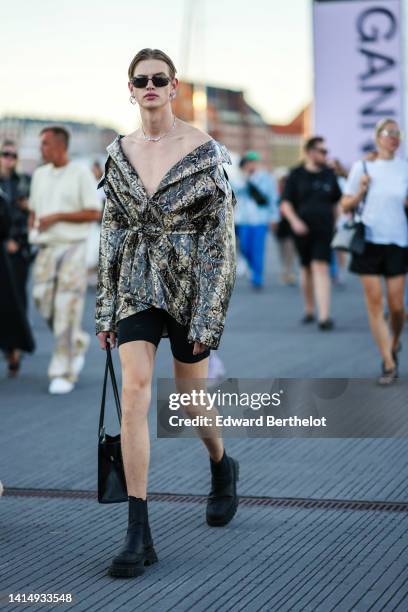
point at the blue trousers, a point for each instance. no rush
(252, 246)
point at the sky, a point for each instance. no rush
(69, 59)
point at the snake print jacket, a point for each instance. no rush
(173, 250)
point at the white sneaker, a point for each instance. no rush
(58, 386)
(78, 364)
(242, 267)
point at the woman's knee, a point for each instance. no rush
(396, 308)
(396, 303)
(375, 303)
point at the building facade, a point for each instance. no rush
(226, 116)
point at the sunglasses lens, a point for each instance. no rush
(160, 81)
(10, 155)
(139, 82)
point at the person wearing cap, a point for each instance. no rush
(257, 199)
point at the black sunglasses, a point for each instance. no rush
(8, 154)
(321, 150)
(158, 81)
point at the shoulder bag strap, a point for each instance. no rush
(361, 205)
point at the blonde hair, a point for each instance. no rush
(147, 53)
(381, 125)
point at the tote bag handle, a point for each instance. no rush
(109, 368)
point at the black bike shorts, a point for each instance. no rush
(149, 325)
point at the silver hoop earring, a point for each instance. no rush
(132, 99)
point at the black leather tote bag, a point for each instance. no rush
(111, 476)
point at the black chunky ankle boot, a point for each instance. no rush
(222, 502)
(137, 550)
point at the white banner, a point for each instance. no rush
(358, 67)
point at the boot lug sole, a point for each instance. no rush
(130, 570)
(225, 520)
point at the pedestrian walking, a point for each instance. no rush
(383, 182)
(257, 207)
(15, 187)
(63, 202)
(283, 234)
(309, 203)
(339, 258)
(166, 269)
(16, 334)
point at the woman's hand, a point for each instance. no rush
(199, 348)
(104, 337)
(299, 227)
(12, 246)
(364, 184)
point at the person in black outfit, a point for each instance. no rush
(309, 203)
(16, 333)
(15, 188)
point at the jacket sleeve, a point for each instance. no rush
(217, 265)
(113, 230)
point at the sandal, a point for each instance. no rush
(308, 318)
(388, 376)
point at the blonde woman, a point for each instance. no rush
(166, 269)
(385, 186)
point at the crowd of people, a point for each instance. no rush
(317, 197)
(46, 220)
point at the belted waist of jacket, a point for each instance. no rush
(191, 273)
(160, 231)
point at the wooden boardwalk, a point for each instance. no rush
(273, 556)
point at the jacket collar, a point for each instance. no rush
(208, 154)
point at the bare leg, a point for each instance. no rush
(395, 298)
(375, 307)
(287, 256)
(183, 373)
(306, 283)
(137, 360)
(321, 285)
(341, 259)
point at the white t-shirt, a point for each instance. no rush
(384, 214)
(69, 188)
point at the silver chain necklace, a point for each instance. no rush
(156, 138)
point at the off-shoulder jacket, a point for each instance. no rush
(175, 249)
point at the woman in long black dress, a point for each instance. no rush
(16, 333)
(15, 186)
